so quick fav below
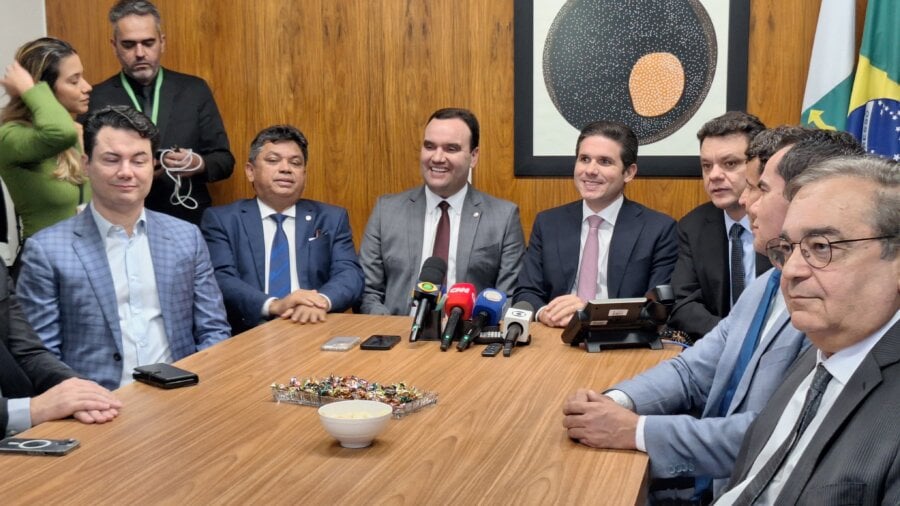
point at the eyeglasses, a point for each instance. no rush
(815, 248)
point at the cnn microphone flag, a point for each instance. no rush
(874, 113)
(830, 79)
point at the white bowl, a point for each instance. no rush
(355, 423)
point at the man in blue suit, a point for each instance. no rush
(727, 377)
(320, 271)
(633, 248)
(118, 286)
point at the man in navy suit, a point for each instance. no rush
(180, 105)
(727, 376)
(321, 272)
(634, 247)
(716, 259)
(119, 286)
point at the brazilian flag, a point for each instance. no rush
(874, 116)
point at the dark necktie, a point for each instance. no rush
(442, 235)
(279, 261)
(737, 261)
(147, 100)
(813, 398)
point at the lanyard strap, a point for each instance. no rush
(134, 100)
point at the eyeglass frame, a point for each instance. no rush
(805, 253)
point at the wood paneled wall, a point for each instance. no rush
(360, 77)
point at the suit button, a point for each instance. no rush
(117, 357)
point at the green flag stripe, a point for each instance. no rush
(833, 106)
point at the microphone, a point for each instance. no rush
(427, 292)
(458, 305)
(487, 311)
(515, 325)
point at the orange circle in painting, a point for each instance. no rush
(656, 84)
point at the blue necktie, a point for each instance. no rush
(751, 340)
(279, 261)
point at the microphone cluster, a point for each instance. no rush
(467, 315)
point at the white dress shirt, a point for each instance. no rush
(144, 339)
(841, 365)
(604, 236)
(432, 217)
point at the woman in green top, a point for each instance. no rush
(40, 142)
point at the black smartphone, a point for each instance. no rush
(379, 342)
(54, 447)
(164, 376)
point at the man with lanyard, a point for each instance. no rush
(194, 146)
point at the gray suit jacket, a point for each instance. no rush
(695, 381)
(854, 458)
(489, 249)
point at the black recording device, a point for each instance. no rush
(621, 323)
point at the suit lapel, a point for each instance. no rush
(716, 257)
(304, 223)
(569, 243)
(91, 252)
(864, 380)
(167, 94)
(251, 223)
(625, 235)
(470, 217)
(415, 212)
(162, 249)
(743, 387)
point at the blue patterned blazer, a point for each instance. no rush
(66, 290)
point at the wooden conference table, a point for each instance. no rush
(494, 437)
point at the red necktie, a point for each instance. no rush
(442, 236)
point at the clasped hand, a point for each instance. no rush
(301, 306)
(595, 420)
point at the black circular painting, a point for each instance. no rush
(646, 63)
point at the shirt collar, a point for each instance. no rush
(456, 200)
(608, 213)
(843, 364)
(265, 211)
(745, 222)
(104, 226)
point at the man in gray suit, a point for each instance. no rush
(479, 236)
(829, 433)
(727, 376)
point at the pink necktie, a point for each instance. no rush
(587, 274)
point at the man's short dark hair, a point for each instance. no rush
(121, 117)
(767, 142)
(732, 122)
(463, 114)
(124, 8)
(279, 133)
(815, 146)
(614, 131)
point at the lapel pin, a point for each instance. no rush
(475, 214)
(308, 218)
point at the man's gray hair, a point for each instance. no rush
(885, 174)
(124, 8)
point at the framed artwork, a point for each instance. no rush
(663, 67)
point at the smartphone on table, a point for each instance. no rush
(31, 446)
(380, 342)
